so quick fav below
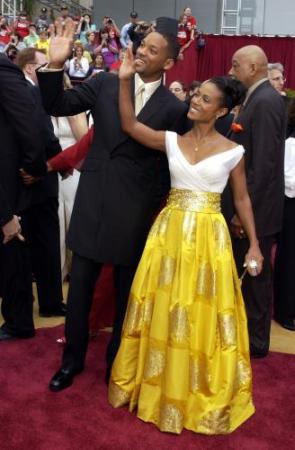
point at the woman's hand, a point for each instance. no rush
(127, 68)
(254, 260)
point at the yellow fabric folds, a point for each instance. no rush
(184, 356)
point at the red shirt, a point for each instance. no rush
(22, 28)
(192, 21)
(183, 35)
(4, 39)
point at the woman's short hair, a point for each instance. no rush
(276, 66)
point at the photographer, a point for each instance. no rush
(109, 24)
(125, 38)
(108, 47)
(85, 26)
(137, 33)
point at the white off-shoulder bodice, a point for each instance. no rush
(209, 175)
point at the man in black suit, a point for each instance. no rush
(9, 223)
(262, 128)
(122, 182)
(42, 216)
(22, 147)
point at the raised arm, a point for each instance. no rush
(58, 102)
(138, 131)
(244, 209)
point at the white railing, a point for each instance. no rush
(10, 8)
(231, 16)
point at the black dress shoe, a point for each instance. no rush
(60, 312)
(6, 336)
(256, 354)
(63, 379)
(287, 324)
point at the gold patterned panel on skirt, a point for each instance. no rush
(227, 328)
(147, 311)
(171, 418)
(206, 281)
(243, 374)
(216, 422)
(189, 227)
(199, 375)
(179, 326)
(160, 225)
(133, 318)
(154, 364)
(117, 396)
(221, 236)
(167, 270)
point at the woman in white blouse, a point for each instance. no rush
(78, 66)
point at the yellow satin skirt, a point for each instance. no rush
(184, 360)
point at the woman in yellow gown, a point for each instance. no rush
(184, 360)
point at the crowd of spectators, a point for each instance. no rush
(96, 47)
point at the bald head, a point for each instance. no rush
(249, 65)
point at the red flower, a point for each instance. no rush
(236, 127)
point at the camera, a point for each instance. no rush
(110, 21)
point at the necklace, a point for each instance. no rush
(199, 143)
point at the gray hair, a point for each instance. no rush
(276, 66)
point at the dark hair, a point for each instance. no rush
(93, 57)
(11, 52)
(182, 84)
(83, 26)
(194, 84)
(233, 91)
(15, 33)
(173, 45)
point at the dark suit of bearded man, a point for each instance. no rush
(262, 133)
(121, 187)
(21, 147)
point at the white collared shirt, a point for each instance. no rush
(29, 80)
(149, 88)
(290, 167)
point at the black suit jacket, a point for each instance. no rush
(5, 210)
(21, 143)
(122, 182)
(263, 120)
(48, 186)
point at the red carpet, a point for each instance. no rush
(79, 418)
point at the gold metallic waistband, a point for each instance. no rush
(206, 202)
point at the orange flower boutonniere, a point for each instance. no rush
(236, 127)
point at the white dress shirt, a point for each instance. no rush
(290, 167)
(149, 89)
